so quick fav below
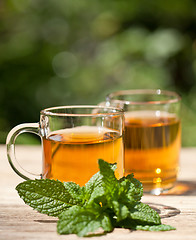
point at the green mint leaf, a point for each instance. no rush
(131, 188)
(94, 187)
(109, 181)
(94, 191)
(144, 214)
(112, 190)
(49, 196)
(161, 227)
(120, 210)
(74, 192)
(83, 221)
(132, 224)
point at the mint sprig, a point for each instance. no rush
(103, 203)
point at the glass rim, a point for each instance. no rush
(176, 97)
(114, 111)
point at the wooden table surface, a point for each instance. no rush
(19, 221)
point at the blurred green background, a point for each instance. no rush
(60, 52)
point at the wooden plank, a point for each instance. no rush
(18, 221)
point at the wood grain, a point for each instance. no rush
(18, 221)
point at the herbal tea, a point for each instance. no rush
(152, 145)
(72, 154)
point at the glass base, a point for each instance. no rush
(157, 189)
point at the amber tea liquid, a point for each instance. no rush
(72, 154)
(152, 145)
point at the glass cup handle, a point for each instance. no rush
(10, 143)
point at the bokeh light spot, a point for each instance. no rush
(65, 64)
(158, 171)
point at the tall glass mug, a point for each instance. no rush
(152, 136)
(73, 139)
